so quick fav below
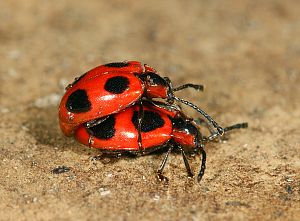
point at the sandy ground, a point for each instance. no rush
(246, 53)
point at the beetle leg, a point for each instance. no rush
(186, 162)
(91, 141)
(203, 163)
(160, 176)
(140, 121)
(95, 122)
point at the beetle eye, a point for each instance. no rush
(151, 82)
(153, 79)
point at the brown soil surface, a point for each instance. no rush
(246, 53)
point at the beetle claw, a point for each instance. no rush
(162, 178)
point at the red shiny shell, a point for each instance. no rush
(126, 135)
(102, 102)
(184, 138)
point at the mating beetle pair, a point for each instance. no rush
(112, 107)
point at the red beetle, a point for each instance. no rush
(112, 87)
(162, 125)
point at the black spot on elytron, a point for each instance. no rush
(104, 130)
(154, 78)
(78, 102)
(117, 64)
(116, 85)
(183, 125)
(151, 121)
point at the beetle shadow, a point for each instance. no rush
(43, 125)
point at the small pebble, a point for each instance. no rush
(60, 169)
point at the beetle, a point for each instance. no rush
(110, 88)
(163, 126)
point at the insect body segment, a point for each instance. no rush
(113, 107)
(119, 132)
(108, 89)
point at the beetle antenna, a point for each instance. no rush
(236, 126)
(203, 113)
(232, 127)
(197, 87)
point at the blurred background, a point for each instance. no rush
(246, 53)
